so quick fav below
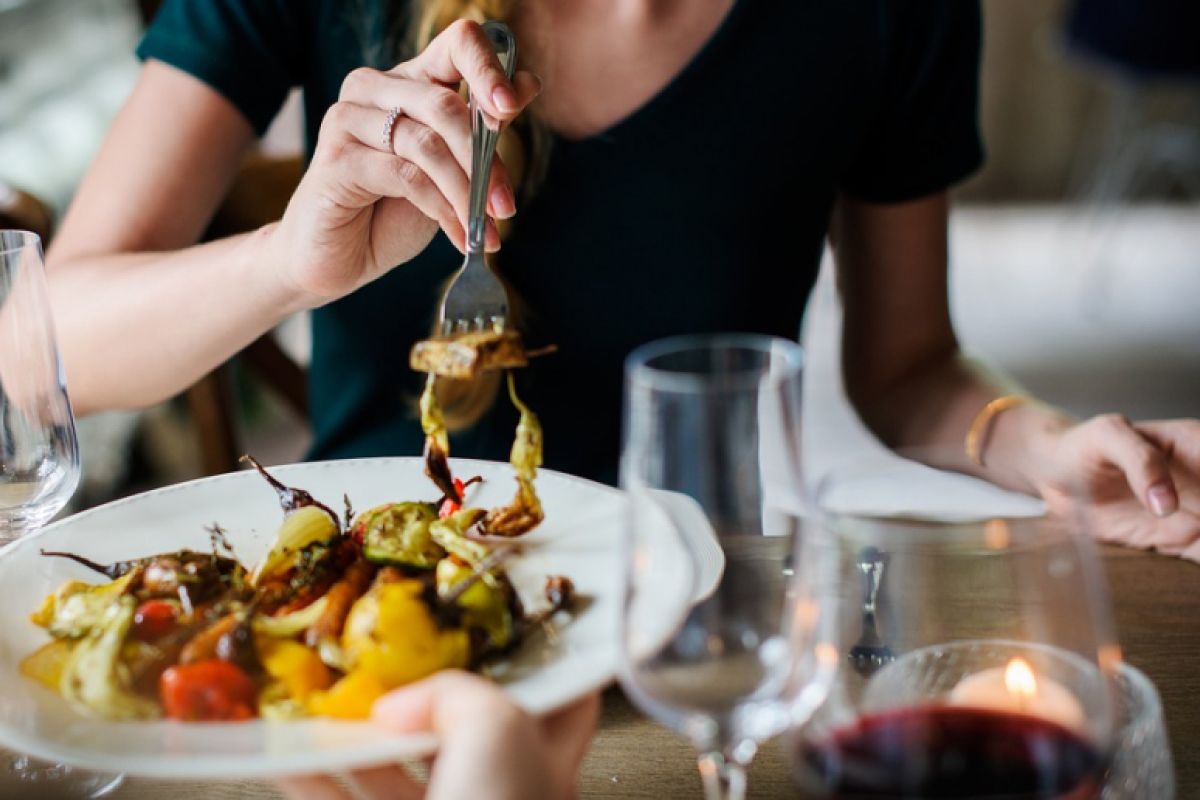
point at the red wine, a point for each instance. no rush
(949, 752)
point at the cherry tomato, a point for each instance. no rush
(211, 690)
(154, 619)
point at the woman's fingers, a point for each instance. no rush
(434, 106)
(1144, 464)
(438, 108)
(359, 175)
(1178, 532)
(463, 52)
(410, 140)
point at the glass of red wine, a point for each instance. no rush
(978, 661)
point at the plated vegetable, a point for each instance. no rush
(334, 614)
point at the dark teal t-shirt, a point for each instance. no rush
(704, 210)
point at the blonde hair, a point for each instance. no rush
(524, 148)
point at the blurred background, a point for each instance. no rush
(1075, 251)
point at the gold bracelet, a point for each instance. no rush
(976, 434)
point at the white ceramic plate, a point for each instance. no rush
(581, 538)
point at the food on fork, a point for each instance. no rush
(332, 617)
(465, 355)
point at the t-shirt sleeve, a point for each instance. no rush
(925, 136)
(247, 50)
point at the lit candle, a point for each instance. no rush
(1016, 689)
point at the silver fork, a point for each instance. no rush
(870, 652)
(476, 299)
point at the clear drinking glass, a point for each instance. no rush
(1142, 766)
(39, 453)
(714, 646)
(978, 661)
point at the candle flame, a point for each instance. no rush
(1019, 679)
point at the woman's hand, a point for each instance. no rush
(1133, 484)
(366, 205)
(488, 746)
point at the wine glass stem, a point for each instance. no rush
(724, 779)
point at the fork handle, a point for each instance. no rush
(483, 138)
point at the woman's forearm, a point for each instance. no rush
(136, 328)
(927, 415)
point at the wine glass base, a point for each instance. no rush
(22, 776)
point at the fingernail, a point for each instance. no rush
(504, 99)
(492, 238)
(503, 203)
(1162, 500)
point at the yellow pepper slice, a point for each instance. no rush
(297, 667)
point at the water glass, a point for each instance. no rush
(714, 645)
(39, 455)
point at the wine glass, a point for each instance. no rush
(713, 645)
(39, 452)
(978, 661)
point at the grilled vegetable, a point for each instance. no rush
(525, 511)
(78, 607)
(302, 528)
(450, 534)
(154, 619)
(298, 668)
(392, 635)
(211, 691)
(46, 664)
(338, 602)
(484, 606)
(397, 534)
(291, 499)
(465, 355)
(285, 626)
(94, 678)
(349, 698)
(437, 441)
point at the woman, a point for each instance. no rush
(682, 165)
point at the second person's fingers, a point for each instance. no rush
(311, 787)
(569, 731)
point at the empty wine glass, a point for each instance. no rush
(996, 674)
(713, 645)
(39, 453)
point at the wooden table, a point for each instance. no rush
(1158, 617)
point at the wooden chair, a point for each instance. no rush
(22, 211)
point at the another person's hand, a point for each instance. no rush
(1136, 484)
(366, 205)
(488, 746)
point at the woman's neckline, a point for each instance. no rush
(711, 46)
